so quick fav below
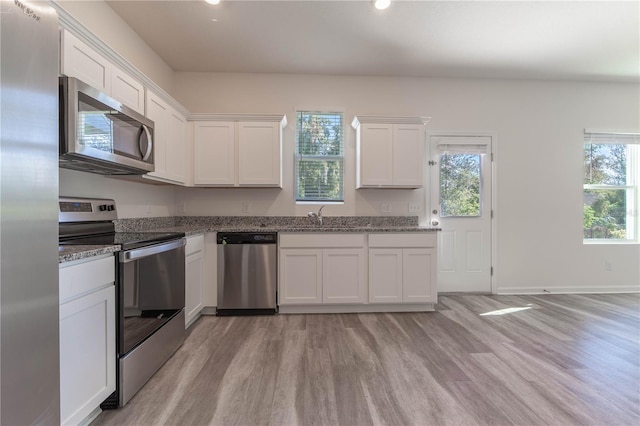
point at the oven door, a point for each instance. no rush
(151, 291)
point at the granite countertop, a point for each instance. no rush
(71, 253)
(195, 229)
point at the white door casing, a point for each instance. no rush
(461, 205)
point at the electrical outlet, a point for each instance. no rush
(148, 207)
(181, 208)
(246, 207)
(414, 207)
(385, 208)
(608, 266)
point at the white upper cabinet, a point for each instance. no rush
(214, 156)
(259, 154)
(127, 90)
(170, 141)
(238, 150)
(390, 151)
(81, 61)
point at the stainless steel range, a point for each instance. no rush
(149, 290)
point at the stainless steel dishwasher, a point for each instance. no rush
(247, 277)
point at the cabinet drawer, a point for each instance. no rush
(77, 279)
(194, 244)
(403, 240)
(304, 240)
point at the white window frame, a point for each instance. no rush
(631, 139)
(298, 157)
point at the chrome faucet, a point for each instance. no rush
(318, 215)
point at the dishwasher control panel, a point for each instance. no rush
(247, 238)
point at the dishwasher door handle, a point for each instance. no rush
(135, 254)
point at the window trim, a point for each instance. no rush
(298, 157)
(629, 138)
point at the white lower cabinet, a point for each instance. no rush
(402, 268)
(194, 278)
(322, 269)
(87, 337)
(343, 276)
(385, 275)
(300, 276)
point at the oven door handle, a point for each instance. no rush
(135, 254)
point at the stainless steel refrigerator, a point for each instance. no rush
(29, 355)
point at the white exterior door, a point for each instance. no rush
(461, 206)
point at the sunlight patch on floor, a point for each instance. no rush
(506, 311)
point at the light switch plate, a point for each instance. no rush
(385, 208)
(414, 207)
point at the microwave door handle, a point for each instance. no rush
(147, 154)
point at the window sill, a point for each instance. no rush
(609, 242)
(317, 203)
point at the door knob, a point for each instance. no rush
(434, 222)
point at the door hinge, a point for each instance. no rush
(492, 156)
(491, 214)
(492, 271)
(432, 163)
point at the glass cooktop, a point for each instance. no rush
(127, 240)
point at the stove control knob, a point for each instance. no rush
(111, 207)
(102, 207)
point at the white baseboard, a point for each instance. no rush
(347, 309)
(568, 290)
(91, 417)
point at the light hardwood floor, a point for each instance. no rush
(562, 360)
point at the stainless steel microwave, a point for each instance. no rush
(101, 135)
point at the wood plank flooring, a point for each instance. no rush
(477, 360)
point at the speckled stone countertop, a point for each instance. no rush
(71, 253)
(192, 225)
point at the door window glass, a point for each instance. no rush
(460, 185)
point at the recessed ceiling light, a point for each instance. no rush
(381, 4)
(213, 1)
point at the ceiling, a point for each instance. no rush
(499, 39)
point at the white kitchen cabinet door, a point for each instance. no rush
(169, 139)
(419, 275)
(87, 354)
(214, 153)
(408, 153)
(81, 61)
(343, 276)
(390, 151)
(376, 155)
(385, 275)
(194, 278)
(300, 275)
(259, 154)
(127, 90)
(176, 147)
(158, 111)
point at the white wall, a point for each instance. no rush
(133, 199)
(539, 127)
